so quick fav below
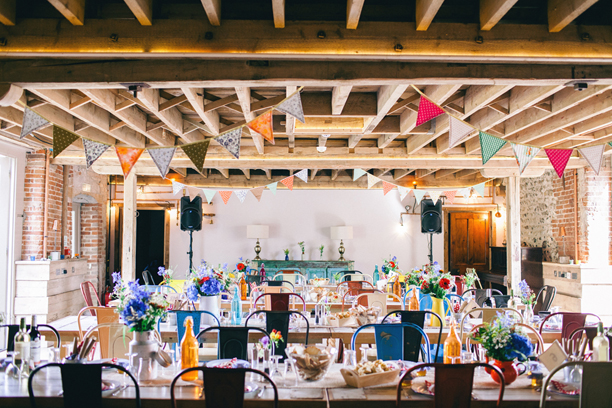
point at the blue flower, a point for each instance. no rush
(524, 288)
(192, 293)
(116, 277)
(521, 347)
(161, 270)
(384, 269)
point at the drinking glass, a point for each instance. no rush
(172, 355)
(145, 369)
(225, 317)
(12, 370)
(364, 353)
(254, 361)
(54, 355)
(275, 373)
(349, 359)
(290, 366)
(467, 357)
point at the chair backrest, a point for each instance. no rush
(280, 301)
(482, 295)
(570, 321)
(294, 276)
(158, 289)
(544, 299)
(375, 300)
(288, 284)
(500, 301)
(457, 380)
(147, 277)
(357, 293)
(279, 321)
(595, 390)
(103, 315)
(89, 292)
(539, 340)
(488, 315)
(590, 333)
(265, 288)
(390, 339)
(114, 339)
(352, 286)
(81, 384)
(413, 339)
(232, 342)
(219, 383)
(196, 316)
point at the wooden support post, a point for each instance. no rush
(513, 231)
(128, 257)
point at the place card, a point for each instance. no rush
(553, 356)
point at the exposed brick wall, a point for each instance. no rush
(93, 240)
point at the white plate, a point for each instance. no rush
(422, 389)
(553, 389)
(239, 363)
(250, 389)
(109, 386)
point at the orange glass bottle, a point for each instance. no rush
(397, 287)
(189, 351)
(413, 304)
(452, 346)
(243, 288)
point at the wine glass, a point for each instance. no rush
(254, 360)
(12, 369)
(275, 372)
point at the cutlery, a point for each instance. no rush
(123, 387)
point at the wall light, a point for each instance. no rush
(407, 212)
(498, 214)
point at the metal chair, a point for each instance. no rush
(114, 339)
(457, 381)
(489, 314)
(548, 293)
(589, 332)
(375, 299)
(359, 292)
(12, 330)
(264, 288)
(280, 301)
(595, 390)
(158, 288)
(569, 322)
(81, 384)
(291, 275)
(147, 277)
(482, 295)
(89, 292)
(196, 316)
(223, 387)
(232, 342)
(354, 276)
(281, 283)
(353, 285)
(390, 340)
(412, 340)
(279, 321)
(500, 301)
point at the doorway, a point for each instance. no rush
(468, 241)
(150, 232)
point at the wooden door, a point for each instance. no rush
(469, 241)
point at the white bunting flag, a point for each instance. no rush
(419, 194)
(458, 131)
(524, 155)
(93, 150)
(372, 180)
(31, 121)
(293, 107)
(193, 192)
(231, 141)
(403, 192)
(176, 187)
(435, 195)
(594, 155)
(302, 175)
(162, 159)
(272, 187)
(358, 173)
(209, 194)
(465, 192)
(241, 194)
(480, 189)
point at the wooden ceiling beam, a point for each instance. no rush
(210, 118)
(399, 173)
(244, 96)
(582, 127)
(278, 12)
(177, 100)
(406, 103)
(220, 102)
(563, 12)
(172, 117)
(143, 10)
(247, 173)
(426, 10)
(491, 11)
(353, 13)
(387, 96)
(445, 173)
(268, 173)
(73, 10)
(224, 172)
(334, 174)
(420, 173)
(381, 172)
(340, 95)
(313, 173)
(267, 103)
(290, 122)
(466, 173)
(80, 102)
(7, 12)
(213, 11)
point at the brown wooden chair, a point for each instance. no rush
(223, 387)
(570, 322)
(595, 390)
(456, 380)
(89, 292)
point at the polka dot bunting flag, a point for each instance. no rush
(225, 195)
(288, 182)
(62, 138)
(263, 126)
(427, 111)
(559, 158)
(197, 153)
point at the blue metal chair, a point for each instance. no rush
(412, 340)
(181, 315)
(232, 342)
(390, 339)
(157, 288)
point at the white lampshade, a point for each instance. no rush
(257, 231)
(344, 232)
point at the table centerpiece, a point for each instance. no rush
(528, 299)
(205, 285)
(436, 283)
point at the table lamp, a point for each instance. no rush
(257, 232)
(344, 232)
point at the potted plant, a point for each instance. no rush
(301, 244)
(321, 248)
(437, 284)
(286, 251)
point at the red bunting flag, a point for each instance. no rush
(225, 195)
(387, 187)
(559, 158)
(450, 196)
(128, 158)
(288, 182)
(263, 126)
(427, 111)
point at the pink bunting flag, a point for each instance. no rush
(225, 195)
(288, 182)
(258, 192)
(559, 158)
(450, 196)
(427, 111)
(387, 187)
(128, 158)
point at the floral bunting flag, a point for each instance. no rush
(302, 175)
(435, 195)
(387, 187)
(465, 192)
(62, 138)
(231, 141)
(162, 158)
(419, 194)
(403, 192)
(450, 195)
(288, 181)
(524, 155)
(209, 194)
(272, 187)
(176, 187)
(489, 145)
(559, 158)
(458, 131)
(257, 192)
(225, 195)
(241, 194)
(594, 155)
(32, 121)
(293, 107)
(427, 111)
(480, 189)
(372, 180)
(197, 153)
(358, 173)
(263, 125)
(127, 158)
(93, 150)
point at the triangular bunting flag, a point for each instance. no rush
(288, 182)
(559, 158)
(524, 155)
(479, 189)
(93, 150)
(128, 157)
(594, 155)
(31, 121)
(427, 111)
(465, 192)
(263, 126)
(489, 145)
(419, 194)
(458, 130)
(272, 187)
(403, 191)
(372, 180)
(302, 175)
(387, 187)
(62, 138)
(209, 194)
(197, 153)
(193, 192)
(241, 194)
(176, 187)
(358, 173)
(225, 195)
(257, 192)
(162, 159)
(435, 195)
(293, 107)
(231, 141)
(610, 143)
(450, 195)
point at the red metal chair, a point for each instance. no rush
(87, 288)
(570, 322)
(456, 382)
(279, 302)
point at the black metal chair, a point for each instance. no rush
(482, 295)
(81, 384)
(346, 275)
(279, 321)
(548, 293)
(12, 330)
(232, 342)
(280, 283)
(500, 301)
(412, 338)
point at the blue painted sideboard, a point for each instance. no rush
(310, 269)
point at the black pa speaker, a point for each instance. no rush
(431, 217)
(191, 214)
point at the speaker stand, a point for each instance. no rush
(190, 253)
(430, 244)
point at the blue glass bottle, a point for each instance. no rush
(236, 308)
(376, 275)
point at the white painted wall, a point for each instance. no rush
(307, 215)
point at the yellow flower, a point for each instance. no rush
(231, 275)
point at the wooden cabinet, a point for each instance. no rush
(531, 268)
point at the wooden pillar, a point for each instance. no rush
(128, 256)
(513, 231)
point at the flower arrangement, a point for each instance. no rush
(138, 308)
(502, 340)
(166, 274)
(286, 251)
(526, 294)
(206, 281)
(414, 277)
(434, 281)
(243, 266)
(470, 278)
(321, 248)
(390, 265)
(265, 343)
(301, 244)
(276, 337)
